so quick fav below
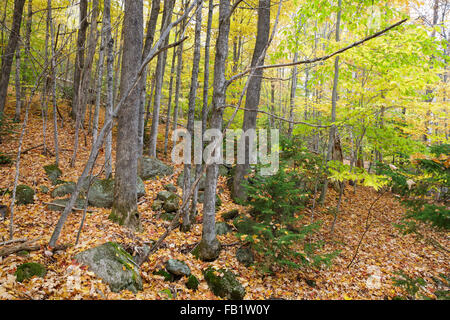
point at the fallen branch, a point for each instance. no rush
(63, 206)
(12, 241)
(27, 246)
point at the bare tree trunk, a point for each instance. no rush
(8, 55)
(186, 225)
(109, 84)
(169, 103)
(17, 85)
(178, 81)
(53, 79)
(209, 247)
(160, 67)
(27, 46)
(124, 209)
(151, 28)
(79, 60)
(292, 97)
(253, 93)
(334, 97)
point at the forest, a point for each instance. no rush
(224, 150)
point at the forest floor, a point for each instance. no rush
(383, 249)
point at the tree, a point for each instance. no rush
(253, 92)
(124, 209)
(8, 55)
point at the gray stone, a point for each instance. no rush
(245, 256)
(101, 192)
(157, 205)
(223, 228)
(172, 204)
(114, 265)
(178, 268)
(149, 168)
(27, 270)
(164, 195)
(170, 187)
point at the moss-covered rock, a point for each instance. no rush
(44, 189)
(223, 283)
(101, 192)
(157, 205)
(245, 256)
(28, 270)
(24, 194)
(167, 276)
(192, 282)
(63, 189)
(114, 265)
(170, 187)
(53, 173)
(207, 251)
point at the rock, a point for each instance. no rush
(149, 168)
(4, 211)
(79, 203)
(245, 256)
(192, 282)
(101, 192)
(63, 189)
(167, 276)
(222, 228)
(157, 205)
(24, 194)
(44, 189)
(114, 265)
(178, 268)
(167, 216)
(140, 254)
(229, 215)
(223, 283)
(53, 173)
(164, 195)
(170, 187)
(172, 204)
(28, 270)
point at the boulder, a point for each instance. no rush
(149, 168)
(28, 270)
(223, 283)
(101, 192)
(222, 228)
(245, 256)
(178, 268)
(170, 187)
(24, 194)
(53, 173)
(157, 205)
(172, 204)
(63, 189)
(44, 189)
(114, 265)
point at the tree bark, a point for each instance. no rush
(8, 55)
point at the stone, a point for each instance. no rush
(230, 215)
(164, 195)
(24, 194)
(53, 173)
(172, 204)
(223, 283)
(245, 256)
(223, 228)
(101, 192)
(170, 187)
(114, 265)
(27, 270)
(157, 205)
(63, 189)
(44, 189)
(149, 168)
(178, 268)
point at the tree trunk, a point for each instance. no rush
(253, 93)
(8, 56)
(160, 67)
(209, 247)
(109, 84)
(186, 225)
